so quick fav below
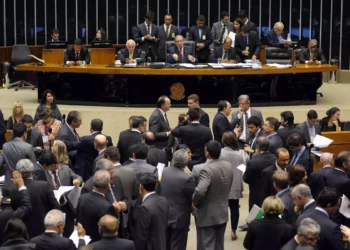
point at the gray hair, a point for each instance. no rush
(309, 225)
(279, 25)
(53, 218)
(180, 158)
(326, 157)
(244, 97)
(179, 36)
(101, 179)
(305, 247)
(302, 190)
(313, 41)
(130, 41)
(104, 164)
(25, 167)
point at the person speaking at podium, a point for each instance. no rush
(77, 55)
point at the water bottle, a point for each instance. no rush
(149, 60)
(289, 37)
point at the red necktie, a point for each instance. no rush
(76, 134)
(57, 181)
(181, 56)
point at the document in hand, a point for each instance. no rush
(73, 196)
(242, 168)
(321, 141)
(75, 238)
(344, 207)
(255, 213)
(160, 168)
(58, 193)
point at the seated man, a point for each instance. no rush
(276, 35)
(77, 55)
(181, 53)
(247, 44)
(227, 54)
(130, 54)
(55, 37)
(312, 54)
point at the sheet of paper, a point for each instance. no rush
(253, 213)
(160, 168)
(73, 196)
(45, 139)
(242, 168)
(75, 238)
(2, 179)
(233, 38)
(344, 207)
(317, 153)
(279, 66)
(187, 65)
(61, 191)
(216, 65)
(199, 66)
(130, 65)
(321, 141)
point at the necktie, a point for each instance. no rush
(225, 54)
(76, 134)
(292, 163)
(244, 127)
(200, 33)
(131, 55)
(149, 28)
(166, 119)
(111, 190)
(76, 56)
(167, 31)
(280, 38)
(57, 181)
(246, 40)
(182, 60)
(222, 34)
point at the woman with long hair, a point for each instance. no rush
(331, 122)
(100, 36)
(237, 26)
(17, 115)
(60, 150)
(48, 101)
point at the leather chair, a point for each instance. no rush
(278, 55)
(169, 44)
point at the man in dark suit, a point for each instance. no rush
(301, 154)
(77, 55)
(108, 227)
(178, 187)
(181, 53)
(312, 54)
(277, 35)
(247, 44)
(210, 199)
(287, 121)
(89, 215)
(15, 150)
(220, 30)
(55, 37)
(86, 152)
(52, 239)
(148, 219)
(193, 102)
(242, 14)
(155, 155)
(34, 137)
(2, 130)
(255, 131)
(221, 123)
(100, 143)
(225, 53)
(303, 202)
(131, 54)
(195, 136)
(166, 32)
(129, 137)
(146, 35)
(202, 36)
(270, 127)
(311, 127)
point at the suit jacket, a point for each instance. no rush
(285, 132)
(204, 119)
(84, 55)
(289, 214)
(187, 50)
(235, 158)
(218, 51)
(239, 121)
(178, 187)
(100, 156)
(206, 38)
(35, 138)
(306, 213)
(272, 39)
(148, 222)
(253, 44)
(2, 130)
(141, 166)
(12, 152)
(271, 232)
(195, 136)
(318, 56)
(54, 241)
(173, 32)
(252, 26)
(337, 179)
(127, 138)
(196, 170)
(159, 127)
(216, 32)
(43, 200)
(220, 126)
(290, 245)
(275, 143)
(212, 193)
(316, 180)
(252, 140)
(124, 54)
(305, 160)
(89, 215)
(110, 243)
(304, 127)
(66, 135)
(18, 244)
(155, 156)
(253, 173)
(139, 32)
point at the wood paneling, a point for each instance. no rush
(104, 56)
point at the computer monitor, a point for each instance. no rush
(105, 44)
(57, 45)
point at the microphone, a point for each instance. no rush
(50, 142)
(63, 118)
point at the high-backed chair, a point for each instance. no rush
(169, 44)
(278, 55)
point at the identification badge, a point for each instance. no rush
(173, 35)
(247, 48)
(204, 37)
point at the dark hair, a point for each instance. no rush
(222, 105)
(16, 229)
(296, 174)
(181, 117)
(193, 97)
(132, 150)
(240, 21)
(201, 18)
(141, 151)
(168, 14)
(327, 196)
(245, 29)
(288, 117)
(97, 125)
(194, 114)
(295, 140)
(148, 181)
(149, 138)
(43, 98)
(78, 42)
(103, 33)
(136, 123)
(223, 14)
(112, 153)
(72, 116)
(312, 114)
(143, 119)
(332, 111)
(161, 101)
(214, 149)
(44, 113)
(242, 14)
(149, 15)
(262, 143)
(182, 146)
(254, 120)
(55, 31)
(47, 158)
(27, 119)
(229, 139)
(341, 159)
(19, 129)
(273, 122)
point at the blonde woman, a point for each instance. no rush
(17, 115)
(60, 150)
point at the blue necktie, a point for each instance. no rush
(200, 34)
(246, 40)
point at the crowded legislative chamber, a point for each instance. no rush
(174, 125)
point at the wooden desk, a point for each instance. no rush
(104, 56)
(53, 56)
(8, 134)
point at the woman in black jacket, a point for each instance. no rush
(331, 122)
(48, 101)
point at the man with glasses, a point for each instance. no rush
(312, 54)
(181, 53)
(277, 35)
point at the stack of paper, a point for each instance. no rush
(61, 191)
(216, 65)
(160, 168)
(252, 61)
(187, 65)
(344, 207)
(130, 65)
(279, 66)
(321, 141)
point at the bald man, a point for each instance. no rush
(100, 144)
(108, 229)
(226, 53)
(276, 35)
(181, 53)
(131, 54)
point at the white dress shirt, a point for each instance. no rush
(144, 198)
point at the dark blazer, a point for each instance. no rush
(141, 166)
(304, 127)
(290, 245)
(270, 232)
(54, 241)
(220, 126)
(275, 143)
(306, 213)
(285, 132)
(305, 160)
(252, 141)
(67, 136)
(272, 39)
(148, 221)
(123, 54)
(252, 175)
(195, 136)
(206, 38)
(18, 244)
(2, 130)
(35, 138)
(252, 26)
(337, 179)
(173, 32)
(110, 243)
(318, 56)
(178, 187)
(89, 215)
(127, 138)
(159, 127)
(187, 50)
(288, 215)
(155, 156)
(10, 122)
(324, 125)
(84, 55)
(316, 180)
(140, 31)
(218, 51)
(253, 44)
(204, 119)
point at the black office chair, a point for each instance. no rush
(20, 55)
(278, 55)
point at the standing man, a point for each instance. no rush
(221, 123)
(270, 127)
(301, 154)
(210, 199)
(242, 14)
(221, 29)
(192, 102)
(255, 131)
(166, 32)
(311, 127)
(247, 44)
(287, 121)
(146, 34)
(202, 36)
(304, 203)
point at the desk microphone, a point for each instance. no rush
(50, 142)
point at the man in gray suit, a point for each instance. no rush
(178, 187)
(210, 199)
(221, 30)
(15, 150)
(166, 32)
(196, 170)
(311, 127)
